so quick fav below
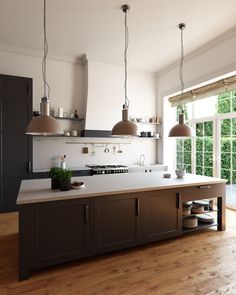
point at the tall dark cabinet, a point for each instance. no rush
(15, 146)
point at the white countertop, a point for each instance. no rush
(38, 190)
(71, 168)
(131, 167)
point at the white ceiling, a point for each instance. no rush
(95, 27)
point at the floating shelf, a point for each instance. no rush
(147, 137)
(55, 136)
(66, 118)
(70, 119)
(147, 123)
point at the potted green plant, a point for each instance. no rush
(65, 179)
(54, 174)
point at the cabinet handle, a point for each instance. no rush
(204, 187)
(86, 207)
(178, 197)
(30, 166)
(28, 89)
(137, 207)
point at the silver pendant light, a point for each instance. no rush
(44, 124)
(181, 129)
(125, 127)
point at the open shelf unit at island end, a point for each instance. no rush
(110, 213)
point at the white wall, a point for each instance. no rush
(211, 61)
(68, 81)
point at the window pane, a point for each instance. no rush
(234, 127)
(234, 145)
(199, 144)
(208, 128)
(208, 171)
(234, 104)
(187, 145)
(225, 161)
(226, 128)
(188, 168)
(208, 144)
(187, 158)
(199, 170)
(226, 145)
(199, 129)
(223, 106)
(199, 159)
(208, 159)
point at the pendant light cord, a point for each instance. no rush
(44, 60)
(125, 60)
(182, 27)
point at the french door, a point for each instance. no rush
(214, 151)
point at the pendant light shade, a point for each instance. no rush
(44, 124)
(125, 128)
(181, 129)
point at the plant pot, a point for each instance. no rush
(65, 185)
(180, 173)
(55, 183)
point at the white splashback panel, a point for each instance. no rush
(48, 152)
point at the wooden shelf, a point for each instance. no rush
(205, 212)
(148, 137)
(147, 123)
(58, 136)
(200, 226)
(70, 119)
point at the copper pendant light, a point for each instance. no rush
(125, 127)
(181, 129)
(44, 124)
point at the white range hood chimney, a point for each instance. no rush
(105, 96)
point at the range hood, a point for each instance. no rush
(104, 98)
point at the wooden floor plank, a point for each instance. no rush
(199, 263)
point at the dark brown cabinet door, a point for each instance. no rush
(161, 215)
(15, 146)
(116, 222)
(60, 231)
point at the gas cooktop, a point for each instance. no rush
(108, 169)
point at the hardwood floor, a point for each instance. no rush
(199, 263)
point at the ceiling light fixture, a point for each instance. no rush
(44, 124)
(125, 127)
(181, 129)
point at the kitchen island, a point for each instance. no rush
(110, 213)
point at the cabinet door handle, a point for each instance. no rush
(29, 166)
(137, 207)
(178, 200)
(204, 187)
(86, 207)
